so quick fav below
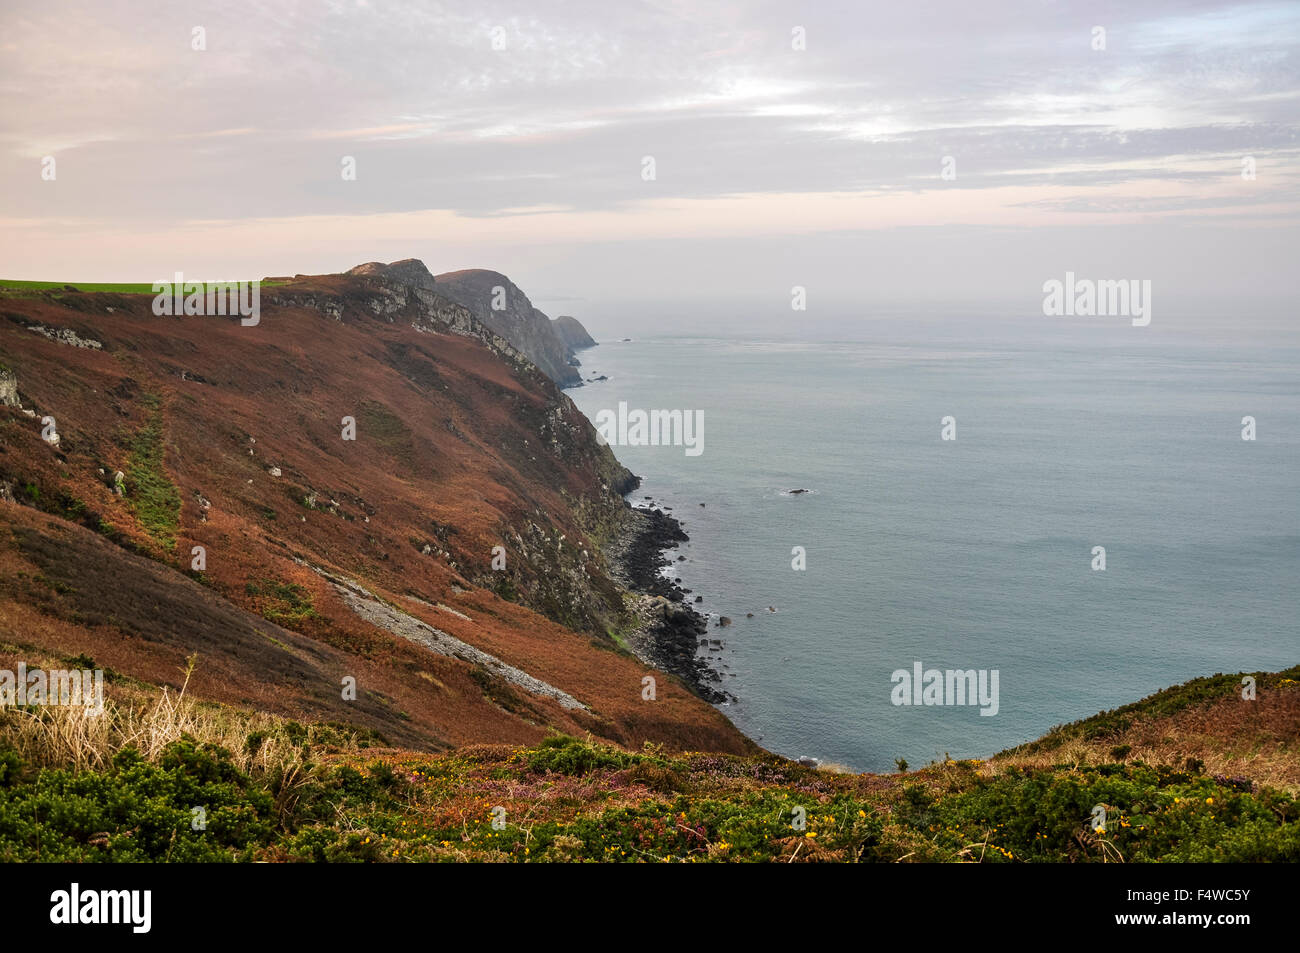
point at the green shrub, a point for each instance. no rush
(135, 810)
(1151, 815)
(153, 496)
(560, 754)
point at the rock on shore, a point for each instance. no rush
(670, 629)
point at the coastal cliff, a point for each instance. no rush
(371, 483)
(497, 302)
(499, 305)
(572, 334)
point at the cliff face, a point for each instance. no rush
(369, 483)
(501, 306)
(571, 333)
(508, 312)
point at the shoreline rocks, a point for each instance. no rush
(671, 630)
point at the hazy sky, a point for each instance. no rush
(774, 166)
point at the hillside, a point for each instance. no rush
(326, 558)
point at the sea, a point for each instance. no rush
(1095, 527)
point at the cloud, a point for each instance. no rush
(541, 112)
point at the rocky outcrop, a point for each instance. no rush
(409, 271)
(385, 616)
(496, 301)
(669, 631)
(65, 336)
(571, 333)
(9, 388)
(398, 294)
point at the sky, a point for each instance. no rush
(793, 144)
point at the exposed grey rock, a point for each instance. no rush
(571, 333)
(65, 336)
(9, 388)
(380, 614)
(524, 326)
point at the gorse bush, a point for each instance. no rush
(757, 827)
(560, 754)
(191, 802)
(1151, 815)
(137, 810)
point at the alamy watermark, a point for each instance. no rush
(1123, 297)
(181, 297)
(652, 428)
(133, 908)
(931, 686)
(81, 688)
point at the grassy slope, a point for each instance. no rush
(278, 790)
(119, 287)
(1204, 722)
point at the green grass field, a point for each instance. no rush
(116, 287)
